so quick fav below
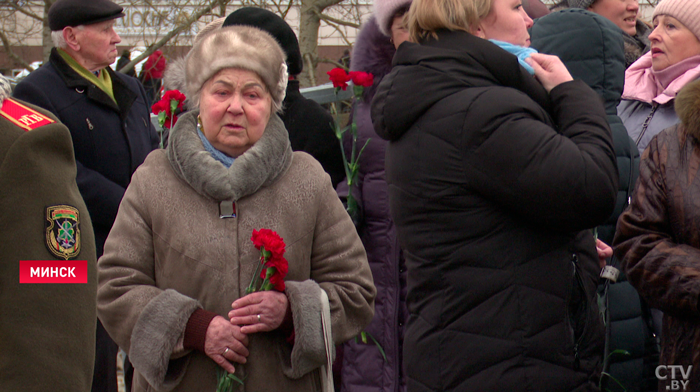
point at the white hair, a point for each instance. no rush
(58, 40)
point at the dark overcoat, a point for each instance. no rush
(310, 129)
(110, 140)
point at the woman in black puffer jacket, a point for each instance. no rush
(495, 180)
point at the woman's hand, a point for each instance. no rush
(549, 70)
(225, 342)
(604, 251)
(259, 311)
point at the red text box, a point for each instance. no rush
(53, 271)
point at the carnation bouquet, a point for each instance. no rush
(269, 275)
(167, 109)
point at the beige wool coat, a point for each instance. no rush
(170, 253)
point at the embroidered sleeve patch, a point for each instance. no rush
(63, 231)
(23, 116)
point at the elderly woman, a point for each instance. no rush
(658, 238)
(177, 263)
(652, 82)
(494, 182)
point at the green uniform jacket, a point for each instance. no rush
(47, 331)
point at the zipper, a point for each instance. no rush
(645, 125)
(582, 311)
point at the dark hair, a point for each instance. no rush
(401, 11)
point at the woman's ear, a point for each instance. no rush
(478, 31)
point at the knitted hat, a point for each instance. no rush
(64, 13)
(276, 26)
(686, 11)
(385, 10)
(579, 3)
(241, 47)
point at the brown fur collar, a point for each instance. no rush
(687, 105)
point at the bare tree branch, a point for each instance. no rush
(339, 31)
(25, 10)
(12, 55)
(156, 45)
(333, 62)
(331, 20)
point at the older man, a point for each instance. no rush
(107, 114)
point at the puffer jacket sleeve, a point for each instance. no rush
(562, 178)
(143, 319)
(663, 271)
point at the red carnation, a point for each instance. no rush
(272, 242)
(363, 79)
(339, 77)
(277, 281)
(273, 266)
(175, 95)
(160, 106)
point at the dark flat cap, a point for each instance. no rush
(276, 26)
(65, 13)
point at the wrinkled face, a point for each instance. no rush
(235, 108)
(671, 42)
(98, 44)
(399, 32)
(621, 12)
(506, 22)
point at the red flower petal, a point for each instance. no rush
(363, 79)
(339, 77)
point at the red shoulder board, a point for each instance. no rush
(23, 116)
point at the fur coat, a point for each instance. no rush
(170, 254)
(364, 368)
(658, 237)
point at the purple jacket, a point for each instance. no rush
(364, 368)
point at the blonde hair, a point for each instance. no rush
(427, 16)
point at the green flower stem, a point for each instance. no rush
(264, 255)
(352, 167)
(266, 284)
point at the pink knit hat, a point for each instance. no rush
(385, 10)
(686, 11)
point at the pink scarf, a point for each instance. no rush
(646, 85)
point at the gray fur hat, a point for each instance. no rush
(241, 47)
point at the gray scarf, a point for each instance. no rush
(266, 161)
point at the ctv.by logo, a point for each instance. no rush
(670, 374)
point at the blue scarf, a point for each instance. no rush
(216, 154)
(520, 52)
